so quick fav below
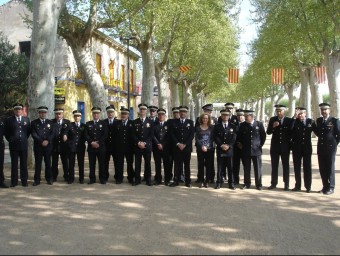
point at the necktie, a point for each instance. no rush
(324, 120)
(43, 121)
(225, 126)
(18, 119)
(78, 125)
(161, 124)
(182, 121)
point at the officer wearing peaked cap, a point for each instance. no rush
(153, 113)
(17, 132)
(327, 128)
(110, 122)
(237, 151)
(123, 146)
(43, 135)
(230, 107)
(170, 121)
(301, 129)
(279, 128)
(60, 147)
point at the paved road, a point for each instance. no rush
(120, 219)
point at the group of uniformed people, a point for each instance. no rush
(235, 138)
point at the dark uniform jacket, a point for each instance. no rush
(225, 136)
(252, 138)
(76, 138)
(110, 135)
(2, 133)
(162, 136)
(183, 133)
(302, 135)
(96, 132)
(41, 132)
(123, 141)
(17, 133)
(60, 130)
(143, 132)
(328, 133)
(281, 138)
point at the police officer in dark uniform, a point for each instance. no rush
(207, 109)
(96, 134)
(109, 121)
(160, 148)
(302, 148)
(250, 139)
(279, 127)
(153, 113)
(142, 137)
(225, 137)
(237, 151)
(182, 134)
(18, 130)
(43, 133)
(327, 128)
(76, 142)
(2, 154)
(172, 162)
(123, 146)
(230, 107)
(60, 146)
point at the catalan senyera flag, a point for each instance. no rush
(320, 74)
(277, 75)
(184, 69)
(233, 75)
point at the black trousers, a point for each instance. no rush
(275, 156)
(257, 163)
(172, 163)
(39, 156)
(298, 155)
(183, 158)
(326, 167)
(2, 158)
(93, 157)
(204, 163)
(236, 165)
(64, 161)
(80, 159)
(15, 155)
(158, 156)
(138, 165)
(107, 164)
(225, 166)
(119, 166)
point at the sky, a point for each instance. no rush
(248, 33)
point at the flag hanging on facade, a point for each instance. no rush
(184, 69)
(277, 75)
(233, 75)
(320, 74)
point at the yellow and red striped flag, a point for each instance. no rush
(184, 69)
(277, 75)
(233, 75)
(320, 74)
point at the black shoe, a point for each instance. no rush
(24, 184)
(232, 187)
(286, 188)
(201, 185)
(272, 187)
(148, 183)
(50, 182)
(322, 191)
(118, 182)
(91, 182)
(13, 185)
(218, 186)
(206, 185)
(81, 181)
(328, 192)
(296, 189)
(135, 183)
(36, 183)
(3, 185)
(188, 185)
(245, 187)
(173, 184)
(166, 183)
(156, 183)
(103, 182)
(70, 182)
(259, 187)
(308, 190)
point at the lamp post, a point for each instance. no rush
(127, 39)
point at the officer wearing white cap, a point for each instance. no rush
(17, 132)
(76, 142)
(123, 146)
(96, 134)
(250, 139)
(237, 151)
(153, 113)
(43, 134)
(327, 128)
(173, 165)
(302, 148)
(110, 123)
(60, 145)
(279, 127)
